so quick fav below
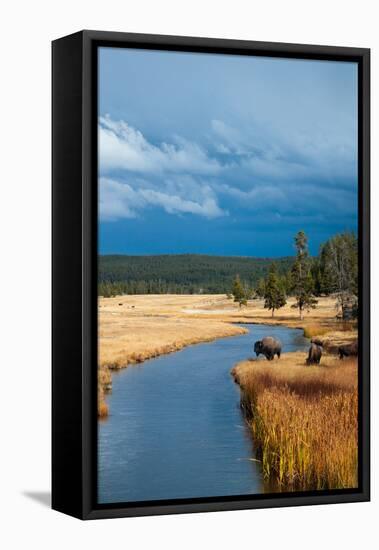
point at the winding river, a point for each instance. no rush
(175, 428)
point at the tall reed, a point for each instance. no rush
(304, 424)
(104, 384)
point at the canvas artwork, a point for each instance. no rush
(228, 270)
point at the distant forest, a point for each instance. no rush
(182, 273)
(333, 271)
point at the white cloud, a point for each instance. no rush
(174, 204)
(169, 172)
(119, 200)
(122, 147)
(282, 176)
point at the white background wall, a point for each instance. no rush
(27, 28)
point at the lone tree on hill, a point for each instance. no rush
(239, 293)
(302, 282)
(274, 296)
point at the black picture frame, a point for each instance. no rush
(74, 272)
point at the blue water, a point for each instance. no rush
(175, 428)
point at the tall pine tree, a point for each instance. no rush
(260, 288)
(274, 295)
(239, 292)
(339, 265)
(302, 282)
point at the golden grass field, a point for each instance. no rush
(304, 420)
(135, 328)
(139, 327)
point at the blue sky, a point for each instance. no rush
(227, 155)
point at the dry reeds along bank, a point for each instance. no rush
(304, 422)
(104, 384)
(330, 327)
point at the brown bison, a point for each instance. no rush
(349, 350)
(314, 355)
(317, 341)
(269, 347)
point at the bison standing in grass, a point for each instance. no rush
(314, 355)
(269, 347)
(349, 350)
(317, 341)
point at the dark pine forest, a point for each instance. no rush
(181, 274)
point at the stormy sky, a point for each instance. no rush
(226, 155)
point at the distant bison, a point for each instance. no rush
(317, 341)
(314, 354)
(269, 347)
(350, 350)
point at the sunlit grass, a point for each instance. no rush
(318, 329)
(315, 329)
(104, 384)
(104, 377)
(102, 407)
(304, 423)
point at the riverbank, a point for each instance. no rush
(303, 420)
(180, 413)
(135, 328)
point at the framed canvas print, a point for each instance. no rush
(210, 274)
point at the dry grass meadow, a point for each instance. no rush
(139, 327)
(134, 328)
(304, 420)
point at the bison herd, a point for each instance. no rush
(269, 347)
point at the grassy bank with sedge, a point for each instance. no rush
(102, 407)
(303, 421)
(316, 329)
(104, 385)
(332, 336)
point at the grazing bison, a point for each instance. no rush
(269, 347)
(350, 350)
(317, 341)
(314, 354)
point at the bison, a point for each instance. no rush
(314, 354)
(269, 347)
(317, 341)
(349, 350)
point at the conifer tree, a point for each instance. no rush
(240, 294)
(301, 276)
(339, 264)
(260, 289)
(274, 295)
